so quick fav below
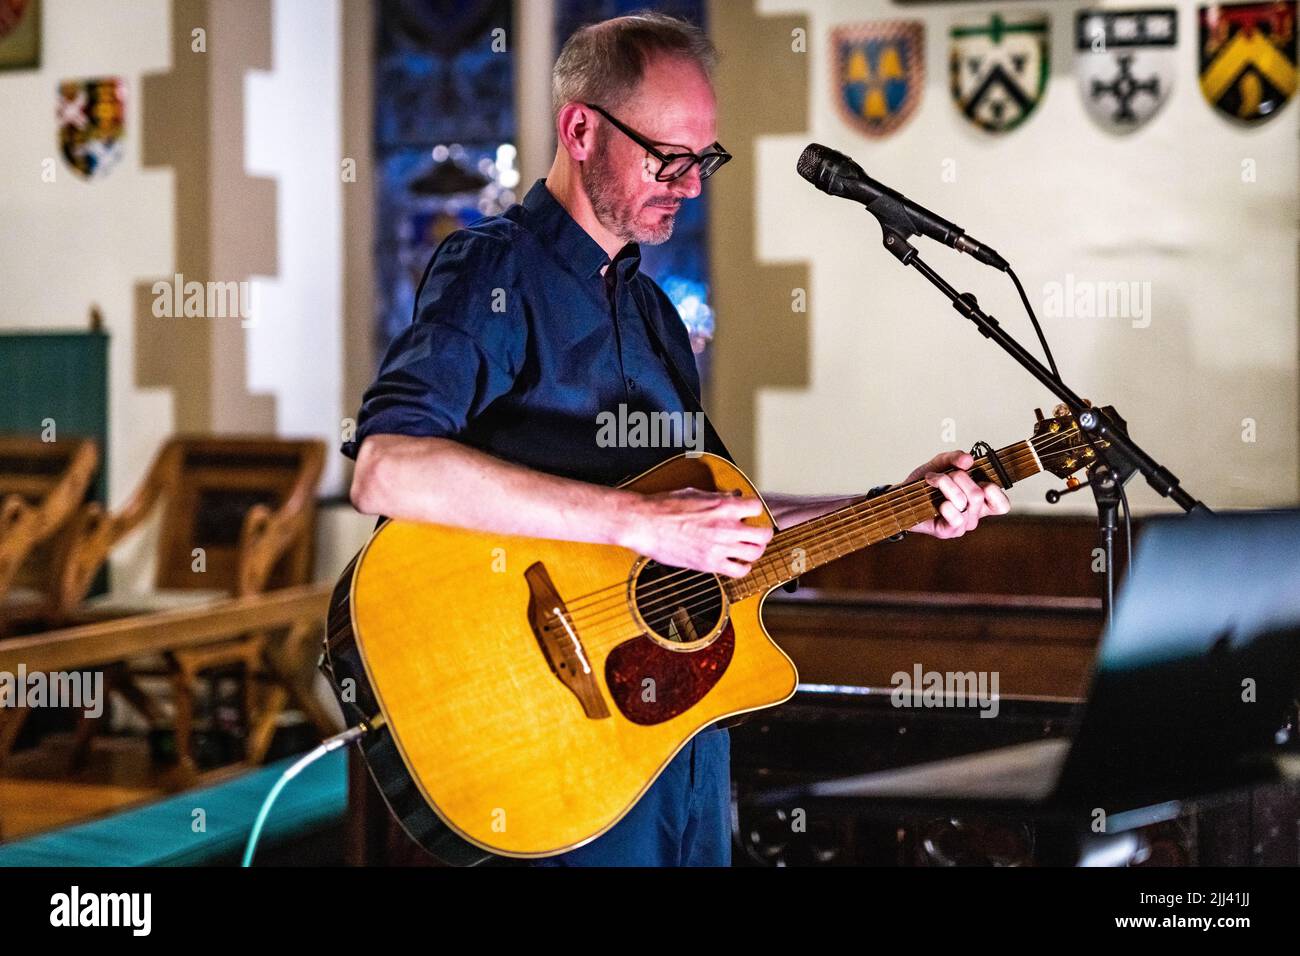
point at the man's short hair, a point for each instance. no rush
(604, 62)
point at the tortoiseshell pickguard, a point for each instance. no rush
(681, 678)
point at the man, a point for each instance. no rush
(530, 325)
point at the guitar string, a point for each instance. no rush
(846, 514)
(850, 515)
(854, 520)
(707, 585)
(849, 512)
(698, 595)
(879, 515)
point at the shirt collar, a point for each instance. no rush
(553, 225)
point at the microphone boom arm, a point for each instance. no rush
(1090, 419)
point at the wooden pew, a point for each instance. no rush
(1040, 647)
(299, 612)
(237, 517)
(1018, 596)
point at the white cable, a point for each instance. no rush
(307, 759)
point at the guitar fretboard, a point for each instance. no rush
(799, 549)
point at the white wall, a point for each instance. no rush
(1165, 205)
(293, 134)
(67, 244)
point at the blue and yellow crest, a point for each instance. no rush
(879, 73)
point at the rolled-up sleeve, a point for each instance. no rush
(462, 351)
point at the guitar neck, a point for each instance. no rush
(799, 549)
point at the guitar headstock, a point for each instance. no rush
(1062, 446)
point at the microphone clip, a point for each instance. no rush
(896, 243)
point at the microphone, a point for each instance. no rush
(836, 175)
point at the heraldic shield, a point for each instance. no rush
(998, 69)
(878, 73)
(92, 119)
(1126, 62)
(1248, 57)
(20, 35)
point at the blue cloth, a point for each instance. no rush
(515, 349)
(684, 819)
(163, 832)
(518, 345)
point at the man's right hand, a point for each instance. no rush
(700, 530)
(443, 481)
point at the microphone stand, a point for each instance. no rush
(898, 229)
(1106, 482)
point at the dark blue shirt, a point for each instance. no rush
(519, 344)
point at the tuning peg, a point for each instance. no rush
(1061, 410)
(1071, 484)
(1038, 413)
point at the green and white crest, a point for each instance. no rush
(998, 69)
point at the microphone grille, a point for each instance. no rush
(811, 160)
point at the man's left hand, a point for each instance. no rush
(965, 501)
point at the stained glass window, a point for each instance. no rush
(445, 131)
(444, 135)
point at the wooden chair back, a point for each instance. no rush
(238, 516)
(219, 489)
(42, 484)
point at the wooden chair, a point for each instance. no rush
(42, 484)
(237, 518)
(104, 644)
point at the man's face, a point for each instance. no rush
(673, 108)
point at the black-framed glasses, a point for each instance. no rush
(671, 165)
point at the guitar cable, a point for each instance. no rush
(326, 746)
(1034, 319)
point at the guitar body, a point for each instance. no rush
(532, 690)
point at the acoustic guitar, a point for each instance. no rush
(521, 694)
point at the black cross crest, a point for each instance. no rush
(1125, 87)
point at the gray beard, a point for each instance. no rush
(614, 213)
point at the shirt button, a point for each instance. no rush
(631, 385)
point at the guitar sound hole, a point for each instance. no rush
(679, 606)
